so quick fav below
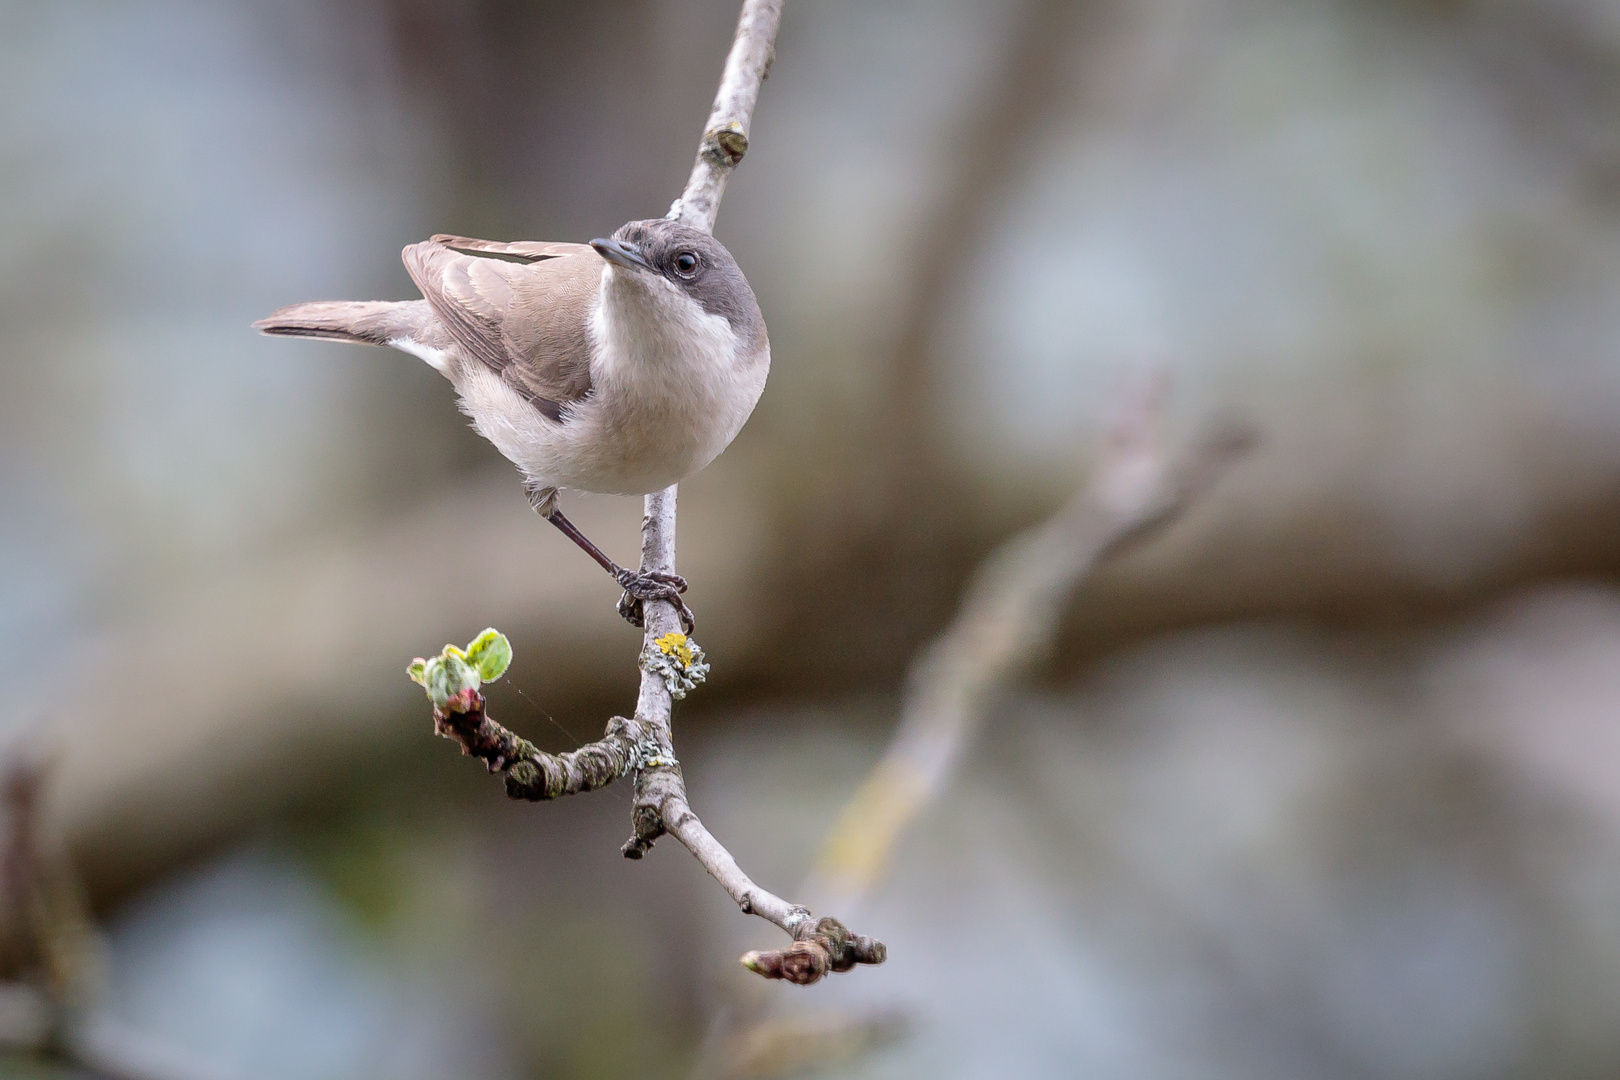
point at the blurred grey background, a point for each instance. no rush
(1325, 781)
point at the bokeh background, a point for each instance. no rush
(1324, 781)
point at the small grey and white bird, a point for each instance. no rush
(619, 367)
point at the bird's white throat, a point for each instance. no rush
(644, 326)
(666, 375)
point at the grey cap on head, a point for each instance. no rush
(701, 266)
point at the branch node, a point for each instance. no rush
(725, 145)
(845, 948)
(647, 823)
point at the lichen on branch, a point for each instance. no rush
(678, 660)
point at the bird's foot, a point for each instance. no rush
(639, 587)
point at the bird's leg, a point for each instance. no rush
(638, 586)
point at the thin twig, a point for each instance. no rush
(660, 802)
(725, 136)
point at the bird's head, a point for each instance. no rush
(658, 255)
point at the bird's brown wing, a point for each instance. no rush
(525, 321)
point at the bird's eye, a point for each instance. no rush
(686, 263)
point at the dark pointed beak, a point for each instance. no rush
(622, 254)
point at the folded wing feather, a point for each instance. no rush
(525, 321)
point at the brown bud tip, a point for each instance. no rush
(844, 947)
(803, 963)
(869, 950)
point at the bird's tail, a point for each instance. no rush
(366, 322)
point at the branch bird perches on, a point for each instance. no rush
(642, 747)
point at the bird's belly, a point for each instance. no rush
(629, 458)
(603, 445)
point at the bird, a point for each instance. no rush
(617, 367)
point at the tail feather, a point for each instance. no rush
(366, 322)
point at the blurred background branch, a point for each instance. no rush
(1012, 610)
(998, 130)
(51, 965)
(1005, 630)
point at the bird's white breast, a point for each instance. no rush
(671, 385)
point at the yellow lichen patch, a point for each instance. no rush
(674, 644)
(678, 659)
